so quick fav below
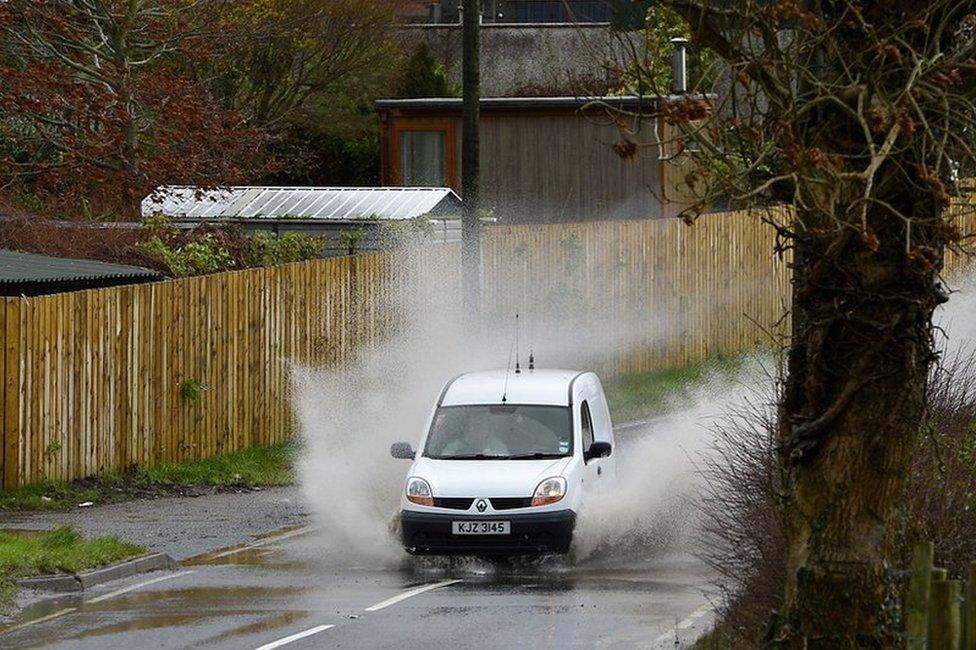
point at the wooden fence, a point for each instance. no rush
(104, 380)
(669, 294)
(100, 381)
(940, 614)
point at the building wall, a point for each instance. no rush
(564, 168)
(531, 59)
(549, 167)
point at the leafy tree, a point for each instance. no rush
(859, 115)
(651, 72)
(97, 104)
(307, 72)
(424, 77)
(292, 54)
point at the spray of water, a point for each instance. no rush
(957, 318)
(651, 508)
(348, 418)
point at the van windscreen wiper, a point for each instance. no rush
(536, 454)
(472, 457)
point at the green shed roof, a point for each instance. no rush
(16, 267)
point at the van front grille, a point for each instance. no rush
(498, 503)
(508, 503)
(454, 503)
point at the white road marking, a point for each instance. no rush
(669, 636)
(140, 585)
(409, 594)
(42, 619)
(113, 594)
(264, 542)
(295, 637)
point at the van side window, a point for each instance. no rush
(587, 425)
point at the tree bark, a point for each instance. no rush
(853, 403)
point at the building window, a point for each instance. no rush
(422, 158)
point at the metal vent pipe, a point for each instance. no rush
(679, 65)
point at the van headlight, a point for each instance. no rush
(549, 491)
(418, 491)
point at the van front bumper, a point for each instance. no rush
(537, 532)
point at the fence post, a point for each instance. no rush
(10, 394)
(917, 614)
(971, 608)
(945, 623)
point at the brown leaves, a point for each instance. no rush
(947, 231)
(948, 78)
(105, 136)
(927, 257)
(891, 52)
(626, 149)
(905, 121)
(686, 110)
(816, 157)
(870, 240)
(939, 192)
(790, 12)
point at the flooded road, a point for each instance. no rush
(284, 592)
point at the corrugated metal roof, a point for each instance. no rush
(328, 203)
(16, 267)
(629, 102)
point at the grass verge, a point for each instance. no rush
(62, 550)
(256, 467)
(645, 394)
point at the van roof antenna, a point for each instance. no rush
(508, 367)
(531, 360)
(517, 369)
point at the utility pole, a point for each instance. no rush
(470, 172)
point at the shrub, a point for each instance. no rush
(942, 492)
(204, 255)
(744, 538)
(209, 249)
(267, 248)
(351, 239)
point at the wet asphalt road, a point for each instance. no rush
(291, 590)
(255, 597)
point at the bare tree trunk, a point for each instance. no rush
(854, 400)
(470, 171)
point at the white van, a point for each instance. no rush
(506, 463)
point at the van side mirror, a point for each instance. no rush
(402, 450)
(598, 449)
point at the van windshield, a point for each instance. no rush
(500, 432)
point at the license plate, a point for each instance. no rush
(481, 527)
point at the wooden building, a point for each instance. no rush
(543, 159)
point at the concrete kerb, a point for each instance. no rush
(88, 579)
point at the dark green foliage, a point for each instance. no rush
(424, 77)
(327, 157)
